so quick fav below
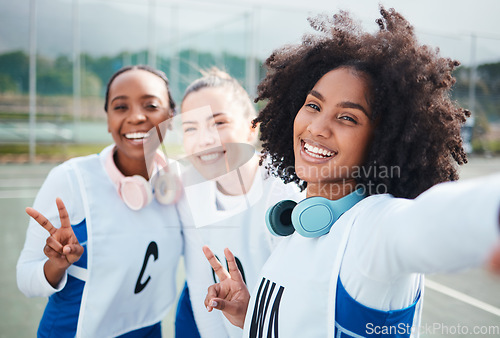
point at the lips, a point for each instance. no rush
(136, 137)
(316, 151)
(211, 155)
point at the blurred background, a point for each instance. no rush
(56, 57)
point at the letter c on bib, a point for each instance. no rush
(152, 250)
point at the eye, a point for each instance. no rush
(189, 129)
(152, 106)
(313, 106)
(348, 118)
(120, 107)
(220, 123)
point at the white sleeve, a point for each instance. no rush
(199, 277)
(451, 226)
(208, 323)
(30, 275)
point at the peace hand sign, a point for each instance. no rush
(62, 247)
(230, 295)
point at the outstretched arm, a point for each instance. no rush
(230, 295)
(62, 247)
(495, 256)
(451, 226)
(495, 261)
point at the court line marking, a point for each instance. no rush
(462, 297)
(19, 182)
(24, 193)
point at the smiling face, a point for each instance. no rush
(332, 133)
(211, 121)
(138, 102)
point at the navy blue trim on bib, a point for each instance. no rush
(353, 319)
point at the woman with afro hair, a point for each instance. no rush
(364, 122)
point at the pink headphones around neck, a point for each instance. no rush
(137, 192)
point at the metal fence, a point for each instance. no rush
(85, 41)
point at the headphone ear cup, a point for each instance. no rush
(279, 218)
(167, 188)
(136, 192)
(313, 217)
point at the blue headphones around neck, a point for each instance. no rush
(312, 217)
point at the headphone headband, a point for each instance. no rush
(312, 217)
(137, 192)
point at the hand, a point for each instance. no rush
(495, 260)
(230, 295)
(62, 247)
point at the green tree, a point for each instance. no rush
(55, 82)
(7, 84)
(16, 66)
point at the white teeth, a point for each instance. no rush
(134, 136)
(317, 152)
(209, 157)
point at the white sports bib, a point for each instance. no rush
(132, 258)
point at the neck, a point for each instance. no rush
(131, 167)
(331, 190)
(230, 183)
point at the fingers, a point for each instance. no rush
(232, 266)
(216, 265)
(51, 253)
(212, 293)
(73, 252)
(217, 303)
(44, 222)
(63, 213)
(54, 244)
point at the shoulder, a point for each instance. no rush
(66, 170)
(377, 201)
(375, 207)
(75, 161)
(382, 200)
(62, 181)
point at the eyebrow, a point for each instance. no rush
(317, 94)
(349, 104)
(343, 104)
(124, 97)
(118, 98)
(208, 118)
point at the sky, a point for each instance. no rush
(447, 24)
(240, 26)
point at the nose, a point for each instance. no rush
(137, 115)
(320, 125)
(208, 137)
